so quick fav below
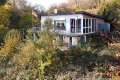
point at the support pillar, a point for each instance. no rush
(85, 38)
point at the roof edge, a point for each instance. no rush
(72, 13)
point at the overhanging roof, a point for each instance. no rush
(73, 13)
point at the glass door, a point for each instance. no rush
(72, 25)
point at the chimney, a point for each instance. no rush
(55, 11)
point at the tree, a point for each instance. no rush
(28, 20)
(110, 10)
(2, 2)
(5, 13)
(45, 47)
(15, 20)
(77, 5)
(34, 57)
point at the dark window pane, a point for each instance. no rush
(58, 25)
(79, 25)
(95, 24)
(93, 27)
(89, 29)
(86, 22)
(84, 30)
(72, 23)
(83, 22)
(62, 26)
(89, 22)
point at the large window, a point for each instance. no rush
(60, 24)
(78, 25)
(72, 24)
(89, 25)
(75, 25)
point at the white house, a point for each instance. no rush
(75, 26)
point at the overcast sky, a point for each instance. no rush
(46, 3)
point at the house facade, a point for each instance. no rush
(74, 27)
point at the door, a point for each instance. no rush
(72, 25)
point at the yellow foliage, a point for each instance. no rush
(26, 53)
(12, 42)
(7, 6)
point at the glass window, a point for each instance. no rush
(93, 25)
(89, 22)
(89, 25)
(84, 31)
(78, 25)
(84, 22)
(89, 29)
(60, 25)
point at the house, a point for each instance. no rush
(73, 27)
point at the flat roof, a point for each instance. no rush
(72, 13)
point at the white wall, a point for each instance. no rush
(63, 17)
(74, 41)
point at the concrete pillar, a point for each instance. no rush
(85, 38)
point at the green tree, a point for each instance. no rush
(28, 20)
(14, 20)
(110, 10)
(2, 2)
(5, 13)
(34, 57)
(11, 43)
(3, 32)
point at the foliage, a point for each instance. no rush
(76, 6)
(2, 2)
(5, 16)
(42, 59)
(3, 32)
(110, 10)
(14, 20)
(7, 52)
(27, 21)
(11, 43)
(80, 63)
(60, 8)
(29, 58)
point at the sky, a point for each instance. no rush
(46, 3)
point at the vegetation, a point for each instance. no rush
(2, 2)
(111, 11)
(25, 59)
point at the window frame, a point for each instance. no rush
(89, 25)
(61, 22)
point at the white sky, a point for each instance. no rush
(46, 3)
